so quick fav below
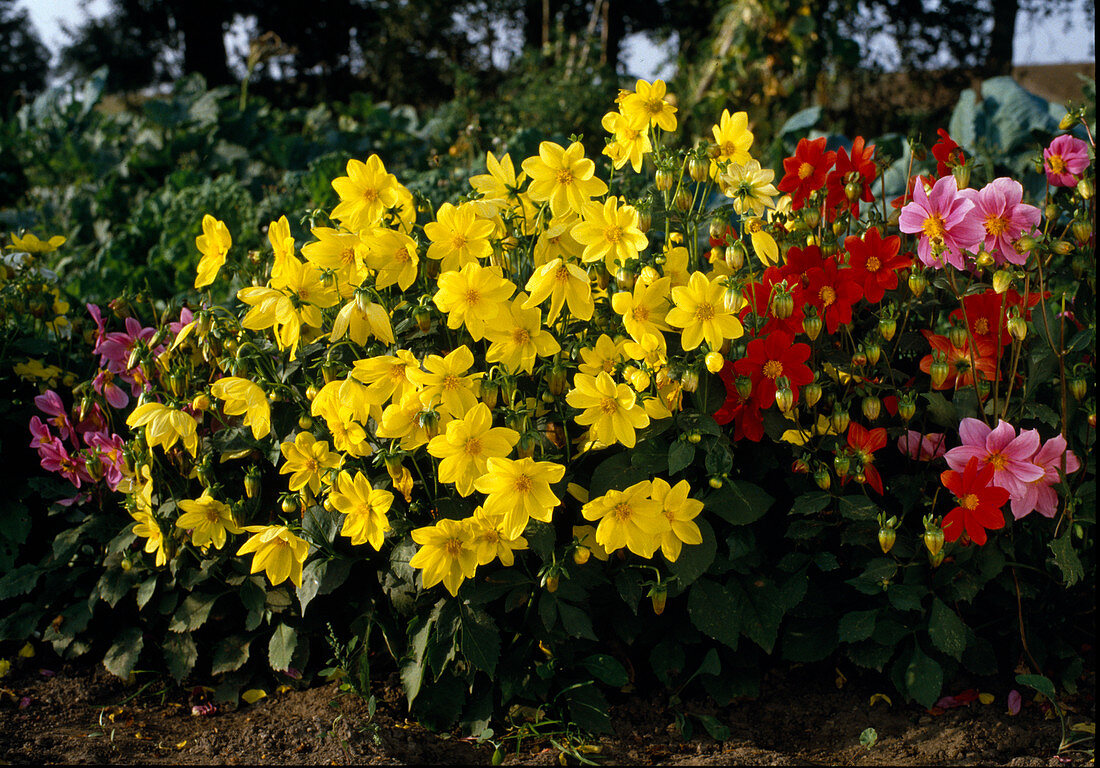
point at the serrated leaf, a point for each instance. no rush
(122, 656)
(856, 626)
(811, 503)
(180, 654)
(480, 640)
(19, 581)
(280, 648)
(230, 654)
(947, 630)
(923, 678)
(193, 612)
(145, 590)
(714, 612)
(1065, 557)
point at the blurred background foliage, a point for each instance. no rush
(161, 110)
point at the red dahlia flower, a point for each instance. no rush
(745, 415)
(878, 261)
(864, 443)
(960, 372)
(979, 503)
(806, 171)
(947, 153)
(768, 358)
(986, 314)
(833, 291)
(861, 162)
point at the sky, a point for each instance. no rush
(1034, 43)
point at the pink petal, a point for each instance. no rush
(1015, 701)
(973, 432)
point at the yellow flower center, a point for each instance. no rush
(362, 510)
(451, 382)
(622, 512)
(704, 312)
(523, 484)
(458, 242)
(631, 135)
(473, 296)
(453, 547)
(212, 515)
(981, 326)
(402, 255)
(933, 228)
(613, 234)
(827, 295)
(654, 106)
(520, 336)
(347, 256)
(370, 195)
(312, 465)
(995, 225)
(873, 264)
(999, 461)
(609, 405)
(728, 149)
(397, 372)
(773, 369)
(565, 177)
(561, 274)
(969, 501)
(1056, 163)
(472, 447)
(640, 313)
(805, 171)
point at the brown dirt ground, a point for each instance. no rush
(84, 715)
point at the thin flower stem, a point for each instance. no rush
(970, 345)
(1023, 634)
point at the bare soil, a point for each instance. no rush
(83, 715)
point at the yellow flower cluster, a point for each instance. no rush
(518, 280)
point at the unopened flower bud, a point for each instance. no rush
(811, 324)
(873, 352)
(784, 397)
(699, 169)
(714, 362)
(811, 393)
(852, 191)
(822, 478)
(917, 282)
(962, 175)
(841, 463)
(1017, 327)
(423, 318)
(581, 555)
(906, 409)
(659, 596)
(939, 369)
(1063, 247)
(957, 335)
(839, 419)
(985, 259)
(664, 179)
(887, 326)
(1067, 121)
(886, 538)
(735, 256)
(1082, 230)
(871, 407)
(1085, 189)
(744, 386)
(625, 278)
(1078, 388)
(1002, 279)
(645, 219)
(1024, 244)
(689, 381)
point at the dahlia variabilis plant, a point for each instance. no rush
(978, 503)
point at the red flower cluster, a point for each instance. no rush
(987, 314)
(859, 169)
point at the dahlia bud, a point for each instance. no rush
(717, 228)
(664, 179)
(490, 392)
(906, 408)
(872, 407)
(852, 191)
(985, 259)
(744, 386)
(581, 555)
(200, 402)
(1002, 280)
(659, 596)
(812, 216)
(429, 421)
(939, 369)
(917, 282)
(599, 273)
(886, 533)
(839, 419)
(682, 200)
(887, 326)
(1063, 247)
(1017, 327)
(714, 361)
(811, 324)
(841, 463)
(1067, 121)
(784, 397)
(961, 173)
(933, 536)
(689, 381)
(1024, 244)
(735, 256)
(812, 393)
(1078, 387)
(1082, 230)
(699, 169)
(423, 318)
(782, 305)
(957, 335)
(557, 379)
(822, 478)
(252, 484)
(1085, 189)
(873, 352)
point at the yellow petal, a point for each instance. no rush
(253, 695)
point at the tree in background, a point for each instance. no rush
(24, 60)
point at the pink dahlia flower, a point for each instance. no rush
(1065, 160)
(922, 447)
(945, 221)
(1038, 494)
(49, 402)
(1005, 218)
(1009, 455)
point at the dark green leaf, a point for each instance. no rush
(923, 678)
(145, 591)
(808, 640)
(1039, 683)
(180, 654)
(650, 456)
(575, 621)
(606, 669)
(312, 575)
(230, 653)
(947, 630)
(480, 640)
(695, 559)
(857, 625)
(680, 455)
(811, 503)
(280, 648)
(715, 612)
(122, 656)
(714, 728)
(719, 461)
(667, 659)
(19, 581)
(589, 709)
(857, 508)
(1081, 340)
(739, 502)
(906, 597)
(940, 410)
(869, 654)
(615, 473)
(193, 612)
(1065, 557)
(761, 610)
